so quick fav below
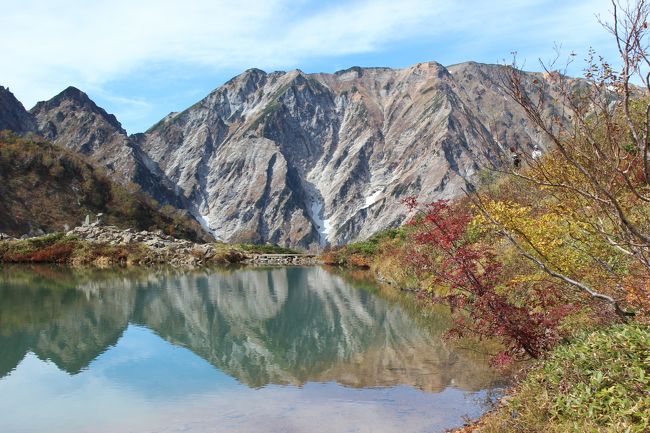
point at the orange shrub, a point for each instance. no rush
(359, 261)
(57, 253)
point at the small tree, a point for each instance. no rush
(468, 277)
(599, 163)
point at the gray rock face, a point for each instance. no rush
(310, 160)
(72, 120)
(13, 115)
(315, 159)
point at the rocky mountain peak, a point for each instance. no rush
(316, 159)
(247, 81)
(74, 101)
(74, 121)
(73, 93)
(429, 69)
(254, 72)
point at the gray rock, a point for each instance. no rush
(207, 251)
(309, 159)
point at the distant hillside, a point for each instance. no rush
(73, 121)
(44, 187)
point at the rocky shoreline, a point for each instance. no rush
(162, 248)
(103, 245)
(282, 260)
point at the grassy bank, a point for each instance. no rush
(600, 382)
(595, 377)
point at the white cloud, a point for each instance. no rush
(49, 44)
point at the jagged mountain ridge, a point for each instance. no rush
(310, 159)
(307, 159)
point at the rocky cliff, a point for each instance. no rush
(310, 159)
(13, 115)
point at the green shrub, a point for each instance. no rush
(599, 383)
(266, 249)
(44, 241)
(367, 248)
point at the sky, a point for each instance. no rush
(142, 59)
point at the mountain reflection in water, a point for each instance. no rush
(263, 327)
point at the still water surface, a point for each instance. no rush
(225, 350)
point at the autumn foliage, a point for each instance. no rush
(43, 186)
(58, 253)
(468, 276)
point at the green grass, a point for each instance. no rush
(266, 249)
(599, 383)
(368, 249)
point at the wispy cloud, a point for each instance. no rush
(49, 44)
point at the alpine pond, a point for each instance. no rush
(225, 350)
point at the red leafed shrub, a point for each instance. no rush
(56, 253)
(467, 275)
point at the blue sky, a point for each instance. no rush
(141, 59)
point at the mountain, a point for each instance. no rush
(310, 160)
(13, 115)
(316, 159)
(72, 120)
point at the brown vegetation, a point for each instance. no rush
(44, 187)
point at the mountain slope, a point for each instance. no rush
(310, 160)
(72, 120)
(44, 187)
(13, 116)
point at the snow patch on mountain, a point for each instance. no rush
(373, 198)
